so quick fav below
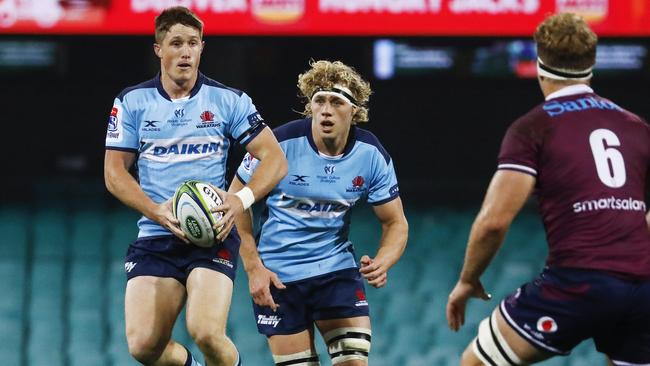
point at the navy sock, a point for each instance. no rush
(188, 361)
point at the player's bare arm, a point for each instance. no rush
(272, 168)
(507, 193)
(260, 278)
(391, 246)
(122, 185)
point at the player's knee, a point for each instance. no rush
(348, 346)
(490, 347)
(211, 342)
(144, 349)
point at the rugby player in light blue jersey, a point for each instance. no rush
(302, 269)
(177, 127)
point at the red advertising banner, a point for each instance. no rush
(324, 17)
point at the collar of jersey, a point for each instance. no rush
(199, 81)
(570, 90)
(348, 145)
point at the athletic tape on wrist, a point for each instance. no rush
(246, 196)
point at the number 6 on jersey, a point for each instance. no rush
(609, 161)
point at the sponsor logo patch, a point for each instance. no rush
(329, 176)
(112, 123)
(181, 149)
(546, 324)
(329, 169)
(272, 320)
(114, 130)
(128, 266)
(299, 180)
(394, 190)
(306, 207)
(254, 119)
(150, 125)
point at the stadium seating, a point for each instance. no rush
(63, 284)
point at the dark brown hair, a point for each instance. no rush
(176, 15)
(565, 41)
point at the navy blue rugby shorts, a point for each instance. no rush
(168, 256)
(564, 306)
(335, 295)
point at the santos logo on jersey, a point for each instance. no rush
(555, 108)
(182, 149)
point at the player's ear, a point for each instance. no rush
(156, 49)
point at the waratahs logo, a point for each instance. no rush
(207, 116)
(207, 120)
(224, 257)
(357, 184)
(361, 298)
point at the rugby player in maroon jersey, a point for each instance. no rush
(585, 158)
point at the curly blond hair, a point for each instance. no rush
(326, 74)
(565, 41)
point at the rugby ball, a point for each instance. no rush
(191, 206)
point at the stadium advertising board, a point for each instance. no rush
(324, 17)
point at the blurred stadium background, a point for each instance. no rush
(449, 76)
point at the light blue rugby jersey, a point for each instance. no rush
(179, 140)
(306, 221)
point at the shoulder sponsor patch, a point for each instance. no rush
(254, 119)
(114, 129)
(394, 190)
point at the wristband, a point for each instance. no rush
(246, 196)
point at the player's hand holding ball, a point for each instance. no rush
(230, 207)
(164, 215)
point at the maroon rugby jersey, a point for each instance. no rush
(590, 159)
